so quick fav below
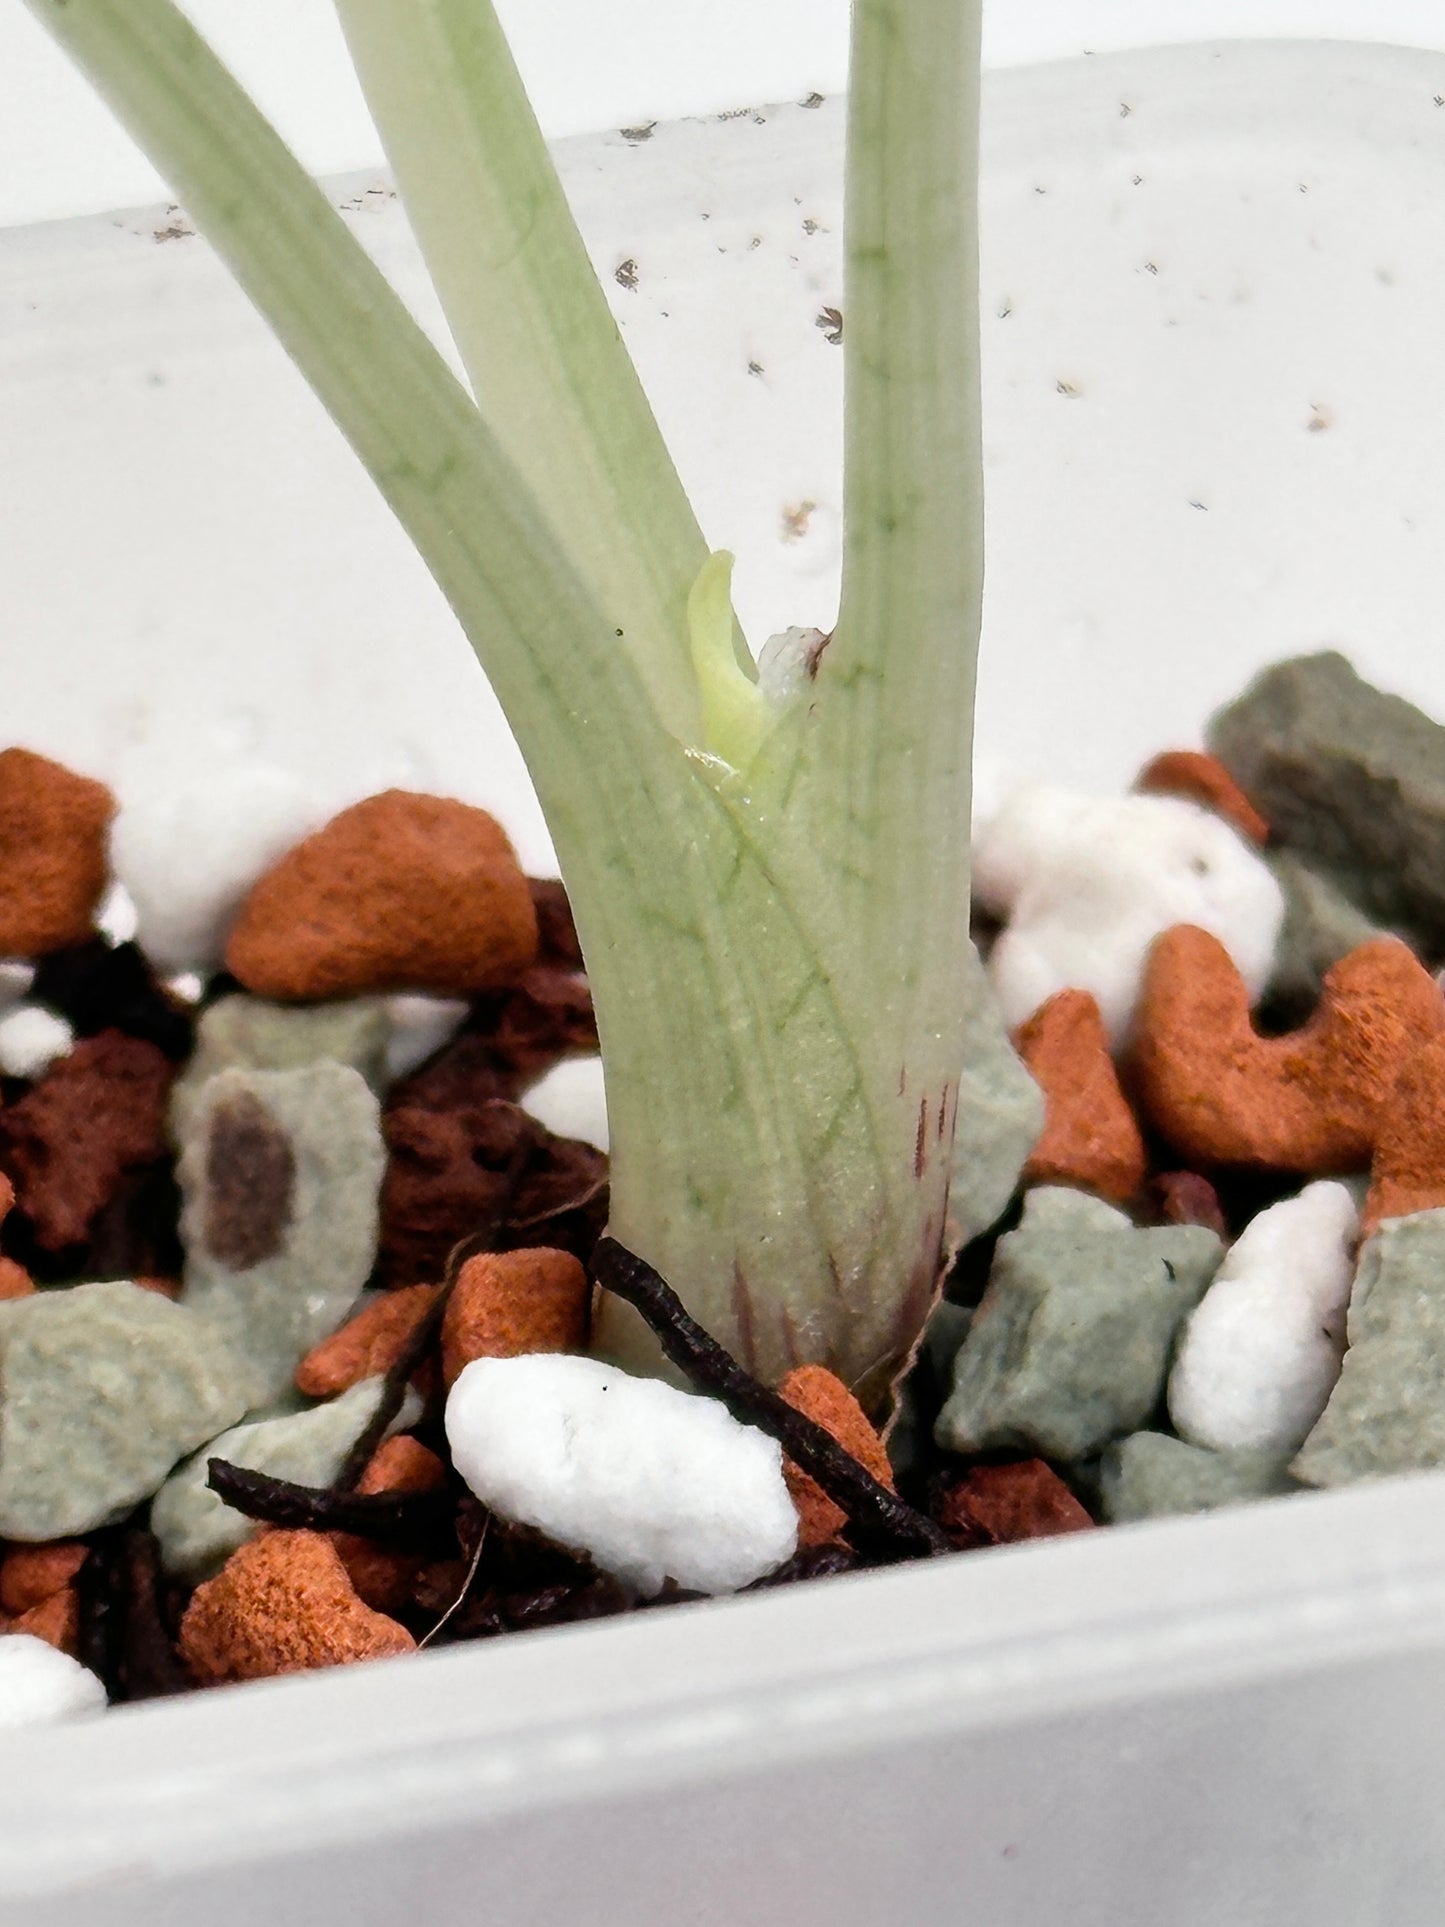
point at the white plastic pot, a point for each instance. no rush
(1214, 395)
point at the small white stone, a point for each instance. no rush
(39, 1685)
(116, 919)
(186, 986)
(419, 1026)
(570, 1101)
(31, 1039)
(652, 1482)
(1021, 830)
(994, 783)
(1088, 883)
(188, 854)
(1261, 1352)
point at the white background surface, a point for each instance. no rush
(591, 64)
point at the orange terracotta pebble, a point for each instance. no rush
(162, 1287)
(1203, 779)
(556, 931)
(403, 1464)
(29, 1575)
(52, 853)
(56, 1620)
(506, 1303)
(1408, 1171)
(283, 1604)
(1090, 1138)
(15, 1280)
(823, 1397)
(400, 892)
(367, 1344)
(385, 1579)
(1008, 1503)
(1311, 1101)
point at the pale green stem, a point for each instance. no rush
(904, 651)
(543, 353)
(774, 957)
(858, 802)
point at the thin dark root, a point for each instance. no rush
(101, 1602)
(417, 1520)
(150, 1668)
(880, 1524)
(468, 1582)
(578, 1202)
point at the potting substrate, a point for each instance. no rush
(304, 1182)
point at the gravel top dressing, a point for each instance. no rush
(305, 1207)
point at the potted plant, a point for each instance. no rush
(845, 1719)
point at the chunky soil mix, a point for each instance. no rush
(260, 1246)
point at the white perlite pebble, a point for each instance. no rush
(652, 1482)
(570, 1100)
(39, 1685)
(187, 986)
(116, 918)
(419, 1026)
(994, 784)
(188, 855)
(1087, 884)
(31, 1039)
(1261, 1352)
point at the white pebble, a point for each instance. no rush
(1088, 883)
(419, 1026)
(116, 918)
(186, 986)
(189, 854)
(652, 1482)
(1262, 1350)
(31, 1039)
(570, 1101)
(994, 783)
(39, 1685)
